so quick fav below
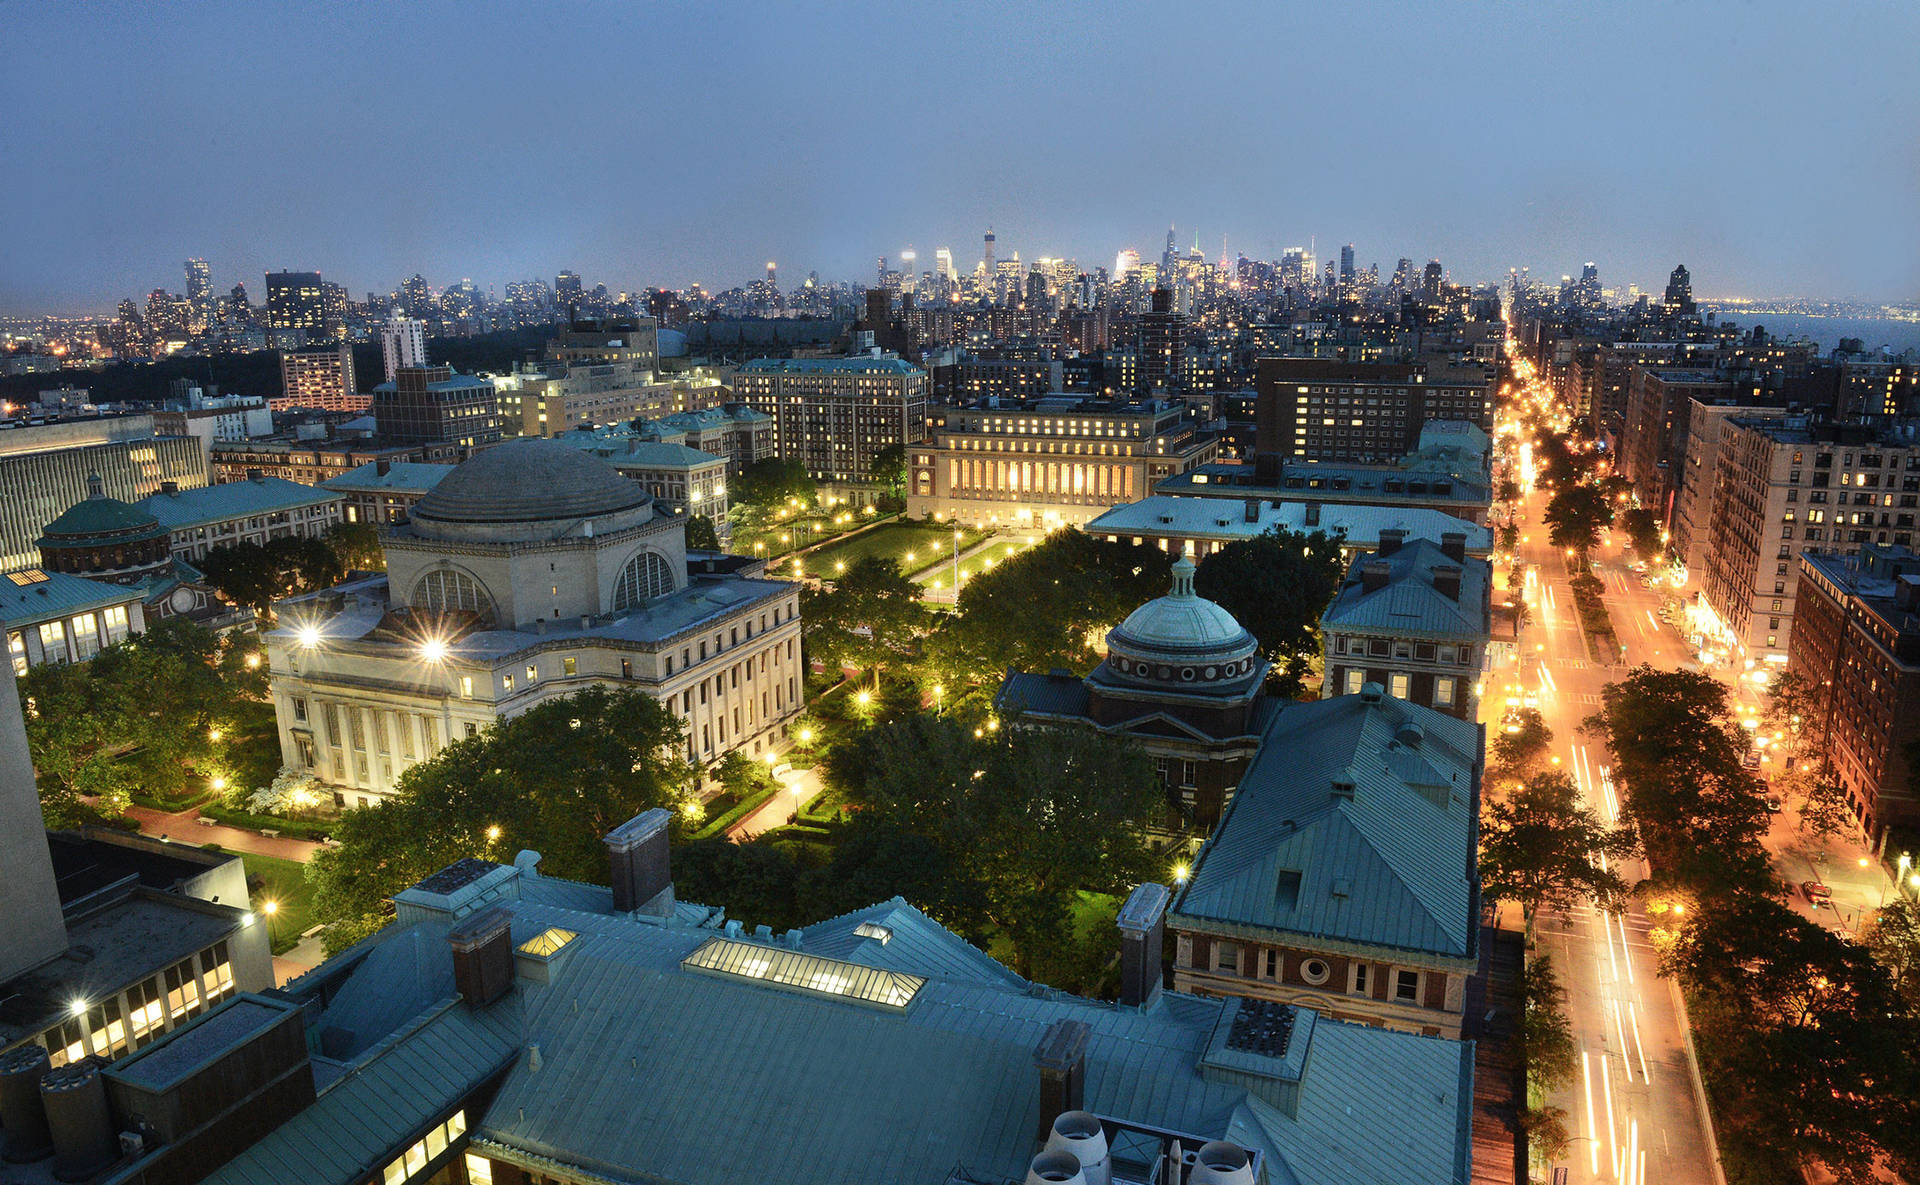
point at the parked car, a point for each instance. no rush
(1774, 804)
(1817, 893)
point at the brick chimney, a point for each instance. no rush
(1446, 580)
(1061, 1058)
(638, 863)
(1390, 540)
(1374, 575)
(1142, 925)
(1453, 545)
(482, 947)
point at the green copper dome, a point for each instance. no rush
(101, 520)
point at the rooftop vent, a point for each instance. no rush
(1263, 1027)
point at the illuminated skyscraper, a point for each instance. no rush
(199, 295)
(1125, 264)
(943, 263)
(1679, 296)
(296, 300)
(1346, 264)
(403, 342)
(988, 258)
(567, 291)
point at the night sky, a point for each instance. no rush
(1773, 148)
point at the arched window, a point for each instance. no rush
(444, 589)
(646, 576)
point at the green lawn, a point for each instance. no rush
(283, 882)
(928, 544)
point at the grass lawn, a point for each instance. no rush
(928, 543)
(1001, 551)
(283, 882)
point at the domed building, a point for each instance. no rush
(106, 539)
(529, 572)
(1182, 678)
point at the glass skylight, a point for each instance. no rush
(809, 973)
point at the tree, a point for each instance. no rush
(356, 547)
(888, 469)
(771, 482)
(1824, 810)
(701, 535)
(740, 776)
(1508, 490)
(1643, 531)
(1024, 818)
(1539, 846)
(1277, 585)
(555, 779)
(256, 575)
(1043, 608)
(1520, 748)
(1894, 939)
(869, 617)
(1677, 751)
(1575, 515)
(1545, 1035)
(755, 881)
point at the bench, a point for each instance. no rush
(204, 821)
(270, 833)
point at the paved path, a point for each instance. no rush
(185, 827)
(797, 786)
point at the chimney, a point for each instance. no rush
(1390, 540)
(256, 475)
(1221, 1163)
(383, 467)
(1142, 925)
(1253, 510)
(482, 948)
(1453, 545)
(638, 862)
(1061, 1058)
(84, 1142)
(1374, 574)
(1446, 580)
(22, 1118)
(1055, 1167)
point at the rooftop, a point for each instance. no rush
(1409, 605)
(185, 509)
(1354, 827)
(857, 364)
(1216, 518)
(401, 477)
(529, 480)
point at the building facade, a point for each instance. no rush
(257, 511)
(1343, 877)
(534, 570)
(1654, 437)
(833, 414)
(1856, 647)
(317, 462)
(1324, 410)
(433, 405)
(381, 492)
(321, 379)
(1415, 617)
(1202, 526)
(1046, 462)
(46, 468)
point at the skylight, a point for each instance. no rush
(808, 973)
(547, 943)
(27, 576)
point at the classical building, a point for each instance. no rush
(383, 491)
(833, 414)
(1414, 617)
(1343, 877)
(1182, 679)
(46, 468)
(56, 617)
(1047, 462)
(1205, 525)
(509, 1028)
(1856, 646)
(527, 573)
(733, 430)
(256, 510)
(682, 480)
(316, 462)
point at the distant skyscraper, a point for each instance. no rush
(416, 300)
(1162, 338)
(1346, 263)
(989, 255)
(567, 291)
(1679, 297)
(943, 263)
(199, 294)
(296, 300)
(403, 342)
(1433, 278)
(1126, 263)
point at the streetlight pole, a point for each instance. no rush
(956, 565)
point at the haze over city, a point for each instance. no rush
(667, 145)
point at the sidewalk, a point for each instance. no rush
(796, 787)
(185, 827)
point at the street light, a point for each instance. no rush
(433, 650)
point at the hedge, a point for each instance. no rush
(719, 823)
(315, 829)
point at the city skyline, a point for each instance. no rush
(672, 149)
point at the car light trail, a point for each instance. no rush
(1593, 1129)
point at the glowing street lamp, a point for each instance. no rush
(433, 650)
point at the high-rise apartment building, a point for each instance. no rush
(1784, 485)
(321, 379)
(200, 305)
(1654, 437)
(1678, 300)
(432, 404)
(1325, 410)
(403, 342)
(1162, 340)
(297, 300)
(567, 292)
(833, 414)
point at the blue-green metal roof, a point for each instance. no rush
(100, 519)
(1391, 864)
(234, 499)
(60, 594)
(858, 364)
(406, 477)
(1409, 606)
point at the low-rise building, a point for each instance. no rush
(735, 431)
(530, 572)
(1856, 647)
(1343, 877)
(1182, 679)
(60, 617)
(1060, 460)
(1205, 525)
(383, 491)
(681, 480)
(433, 405)
(316, 462)
(1415, 617)
(256, 510)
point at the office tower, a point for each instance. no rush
(1346, 264)
(1678, 301)
(567, 292)
(416, 300)
(908, 269)
(296, 300)
(1125, 264)
(403, 342)
(1432, 281)
(988, 258)
(319, 379)
(943, 263)
(199, 295)
(1169, 256)
(433, 405)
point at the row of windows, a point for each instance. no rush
(1400, 686)
(87, 633)
(138, 1016)
(1229, 958)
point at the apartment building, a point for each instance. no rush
(833, 414)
